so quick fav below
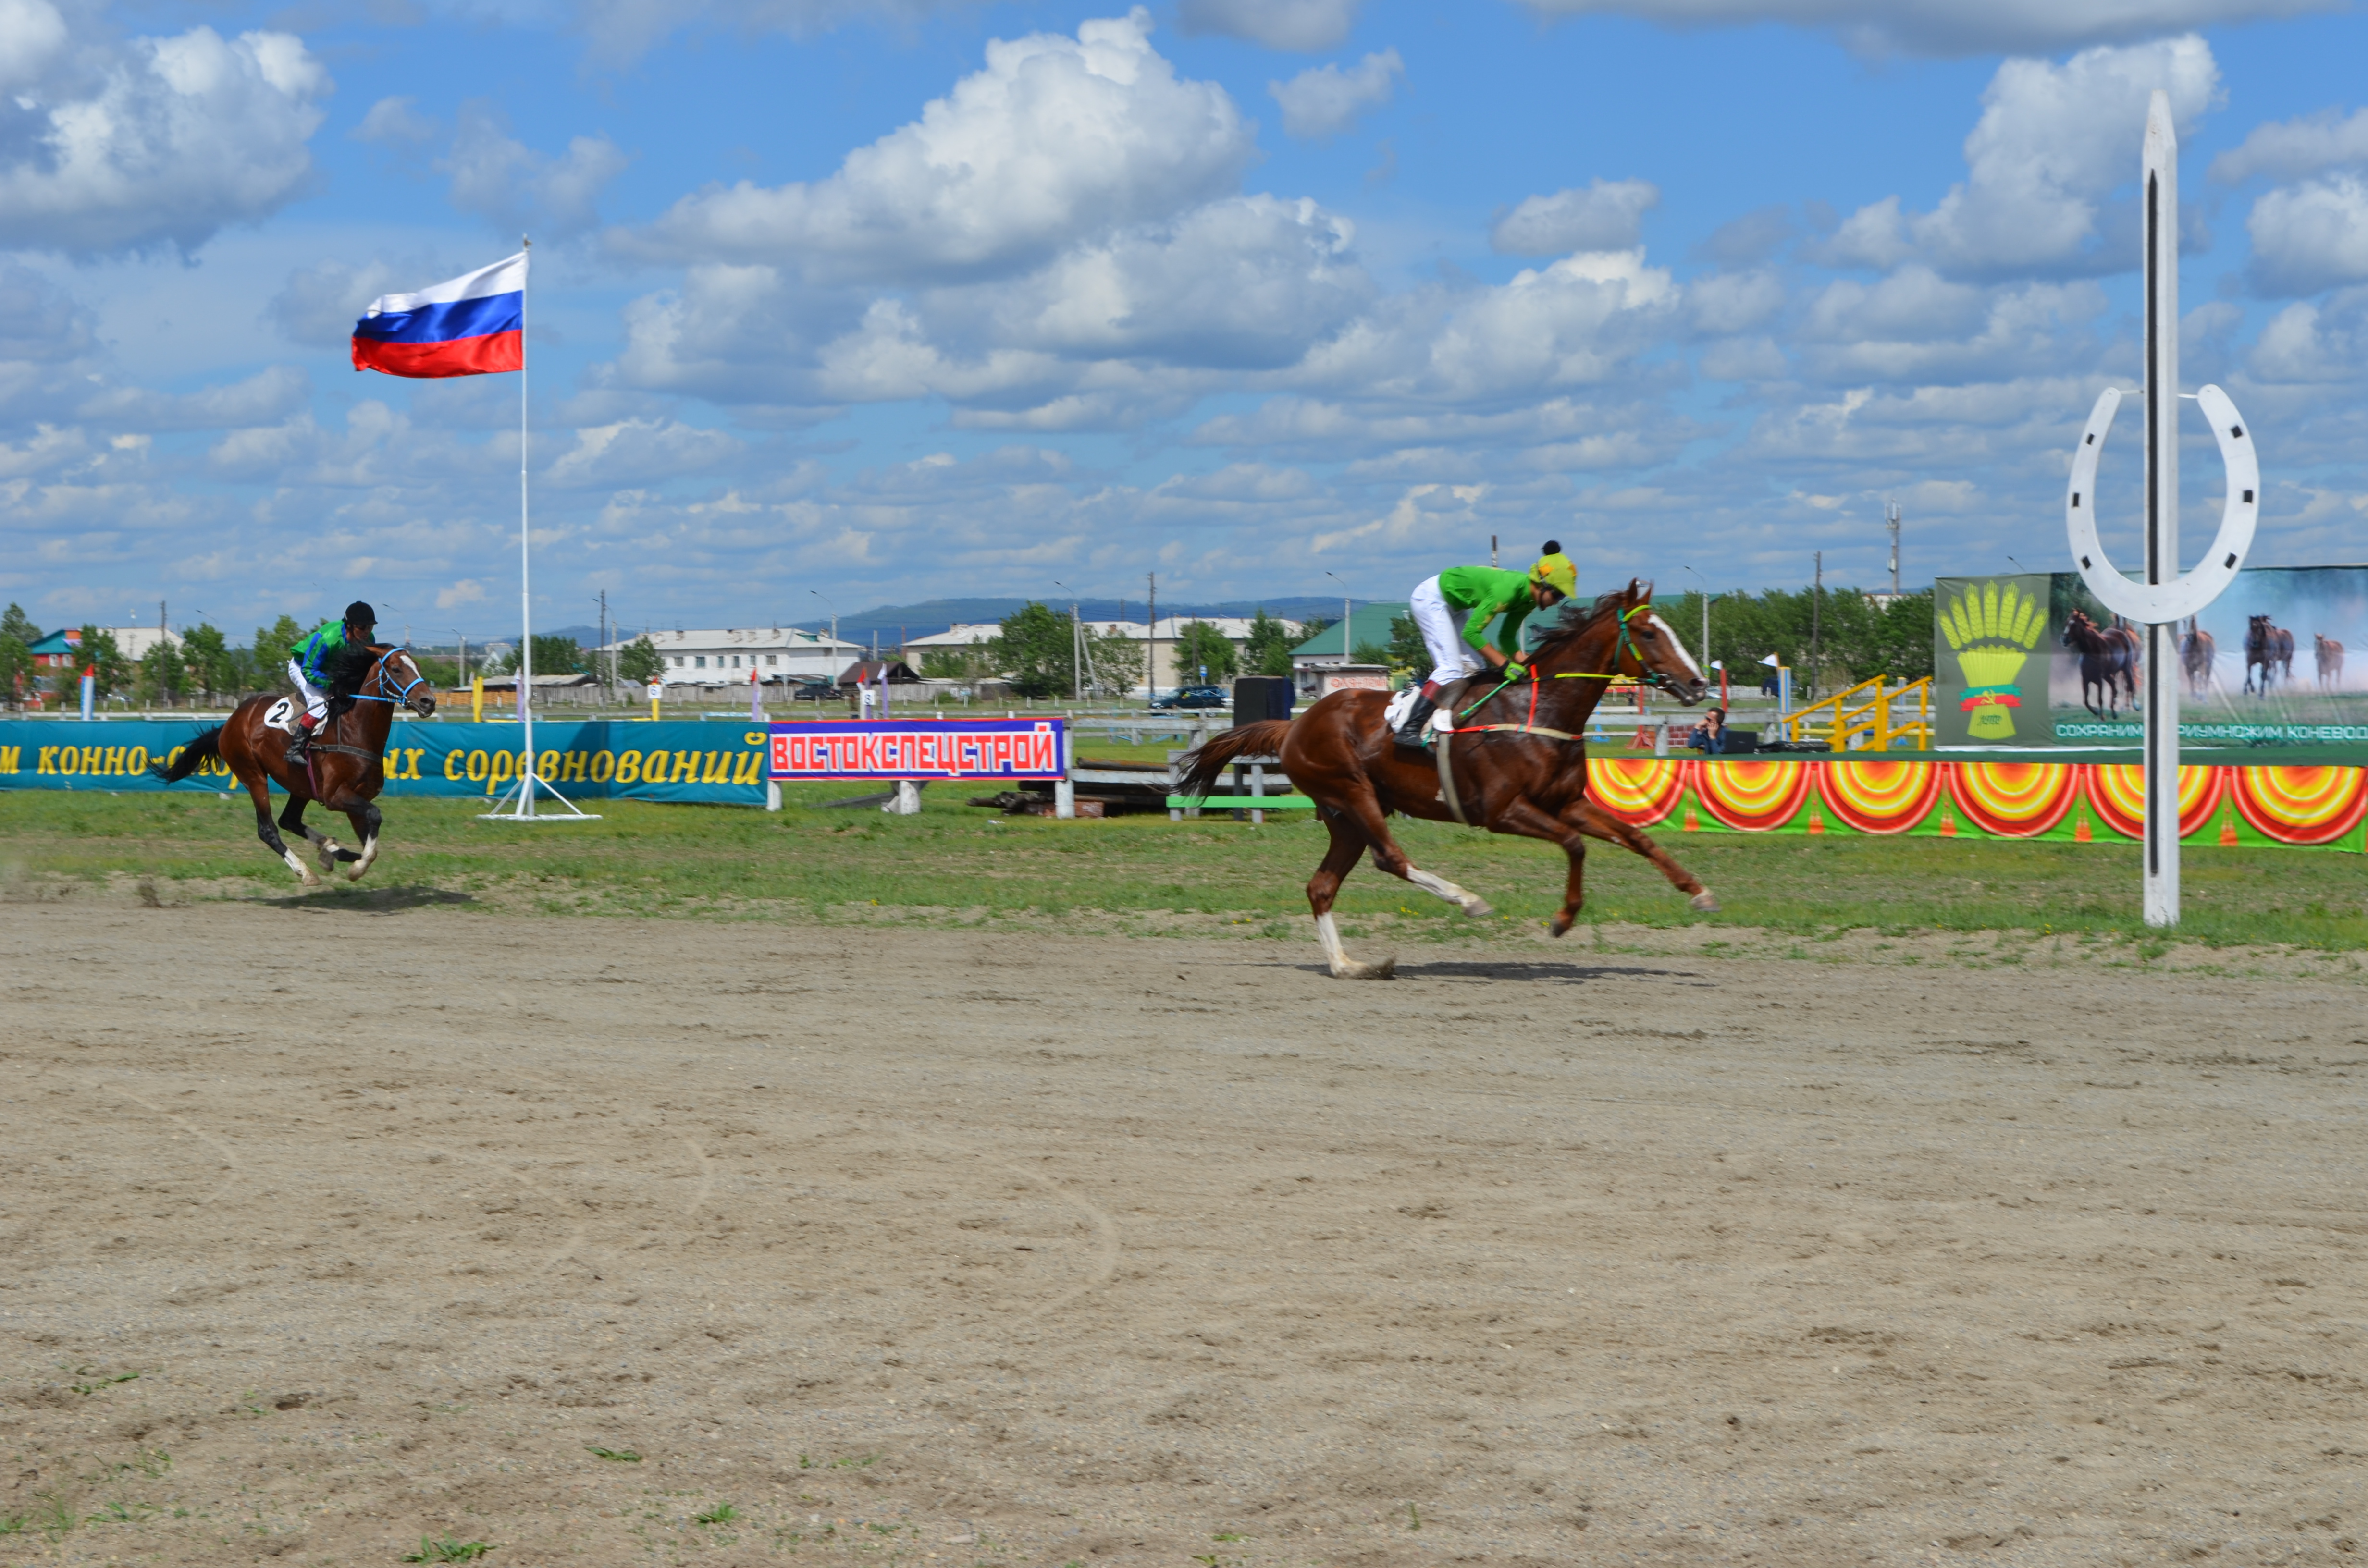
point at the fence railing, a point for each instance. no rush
(1863, 717)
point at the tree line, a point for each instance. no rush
(1036, 649)
(1831, 638)
(200, 666)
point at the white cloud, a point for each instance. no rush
(32, 34)
(319, 305)
(1305, 26)
(467, 591)
(640, 451)
(263, 398)
(2310, 236)
(1324, 101)
(516, 187)
(1056, 140)
(1606, 215)
(621, 31)
(1953, 27)
(156, 140)
(2054, 142)
(396, 122)
(2289, 149)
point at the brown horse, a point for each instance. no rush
(2196, 651)
(2331, 660)
(2109, 660)
(2270, 647)
(346, 771)
(1516, 764)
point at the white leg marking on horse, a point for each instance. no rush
(1343, 966)
(296, 864)
(369, 853)
(1471, 903)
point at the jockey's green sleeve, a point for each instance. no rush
(313, 653)
(1484, 593)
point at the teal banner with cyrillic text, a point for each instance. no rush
(601, 759)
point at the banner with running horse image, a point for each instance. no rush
(2032, 660)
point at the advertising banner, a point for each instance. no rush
(2075, 802)
(595, 759)
(920, 749)
(2032, 659)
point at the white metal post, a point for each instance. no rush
(522, 809)
(2159, 202)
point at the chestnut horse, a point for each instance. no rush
(2109, 660)
(346, 771)
(1515, 761)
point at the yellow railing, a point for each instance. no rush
(1863, 711)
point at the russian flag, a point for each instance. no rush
(472, 326)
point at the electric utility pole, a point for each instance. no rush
(1816, 620)
(1151, 638)
(1891, 521)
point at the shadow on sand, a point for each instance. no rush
(1534, 971)
(341, 898)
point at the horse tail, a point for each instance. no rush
(1201, 768)
(207, 744)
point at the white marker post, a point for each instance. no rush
(2166, 598)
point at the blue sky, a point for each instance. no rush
(881, 301)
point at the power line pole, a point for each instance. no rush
(1816, 620)
(1891, 520)
(1151, 638)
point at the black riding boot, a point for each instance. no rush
(1410, 733)
(298, 749)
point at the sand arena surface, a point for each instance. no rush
(959, 1248)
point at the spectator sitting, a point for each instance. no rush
(1709, 737)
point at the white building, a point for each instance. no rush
(725, 657)
(134, 642)
(1162, 638)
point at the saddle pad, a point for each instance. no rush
(1400, 706)
(281, 716)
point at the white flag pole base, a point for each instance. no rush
(517, 804)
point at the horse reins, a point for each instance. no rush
(1626, 644)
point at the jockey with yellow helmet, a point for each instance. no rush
(1453, 610)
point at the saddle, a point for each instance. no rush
(1450, 697)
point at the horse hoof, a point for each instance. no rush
(1350, 969)
(1479, 909)
(1560, 925)
(1703, 901)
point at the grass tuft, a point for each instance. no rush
(622, 1455)
(448, 1549)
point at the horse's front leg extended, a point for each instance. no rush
(1596, 823)
(259, 787)
(291, 820)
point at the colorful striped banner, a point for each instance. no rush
(1638, 790)
(2116, 792)
(2301, 805)
(1879, 797)
(1752, 797)
(2013, 800)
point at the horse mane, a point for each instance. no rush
(1568, 628)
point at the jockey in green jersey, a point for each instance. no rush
(1453, 610)
(321, 660)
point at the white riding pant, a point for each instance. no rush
(1451, 657)
(315, 702)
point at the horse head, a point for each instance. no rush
(393, 677)
(1641, 646)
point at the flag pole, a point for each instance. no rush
(522, 810)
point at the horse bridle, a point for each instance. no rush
(1652, 678)
(385, 679)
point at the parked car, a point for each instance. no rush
(1196, 697)
(815, 691)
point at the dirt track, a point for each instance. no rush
(934, 1246)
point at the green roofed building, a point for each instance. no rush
(1335, 644)
(1338, 643)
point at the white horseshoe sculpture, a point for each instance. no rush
(2156, 604)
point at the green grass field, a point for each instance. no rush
(956, 862)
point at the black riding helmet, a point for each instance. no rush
(361, 618)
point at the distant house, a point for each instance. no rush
(725, 657)
(58, 650)
(1338, 643)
